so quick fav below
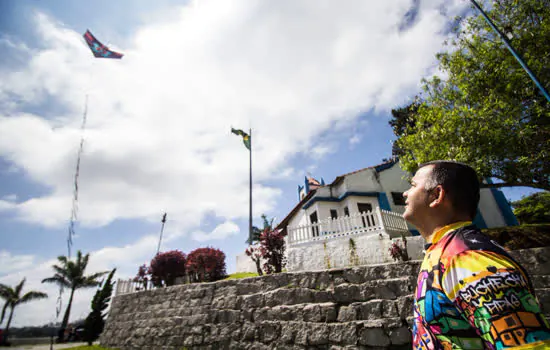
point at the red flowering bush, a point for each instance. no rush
(166, 267)
(143, 276)
(398, 250)
(272, 248)
(206, 265)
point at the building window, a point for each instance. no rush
(333, 214)
(364, 207)
(346, 211)
(398, 198)
(313, 219)
(367, 219)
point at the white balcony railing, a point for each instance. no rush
(379, 221)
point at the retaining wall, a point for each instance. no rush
(367, 307)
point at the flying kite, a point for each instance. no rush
(98, 49)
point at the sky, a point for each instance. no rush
(315, 81)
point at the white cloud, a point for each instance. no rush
(158, 136)
(221, 231)
(159, 119)
(354, 140)
(11, 263)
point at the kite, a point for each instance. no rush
(98, 49)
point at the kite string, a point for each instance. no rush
(74, 209)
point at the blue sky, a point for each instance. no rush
(315, 82)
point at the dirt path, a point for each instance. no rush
(45, 347)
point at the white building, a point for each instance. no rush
(353, 220)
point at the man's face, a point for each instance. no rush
(417, 198)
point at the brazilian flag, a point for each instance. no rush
(246, 137)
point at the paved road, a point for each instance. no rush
(45, 347)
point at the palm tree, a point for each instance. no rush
(70, 274)
(13, 297)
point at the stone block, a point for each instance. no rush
(347, 293)
(344, 333)
(253, 301)
(312, 313)
(329, 312)
(389, 308)
(347, 313)
(373, 337)
(288, 333)
(370, 310)
(318, 334)
(269, 331)
(322, 296)
(354, 275)
(248, 288)
(405, 306)
(400, 336)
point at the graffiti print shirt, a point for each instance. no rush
(472, 295)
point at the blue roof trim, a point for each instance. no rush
(504, 206)
(383, 201)
(306, 184)
(415, 232)
(384, 166)
(341, 198)
(479, 221)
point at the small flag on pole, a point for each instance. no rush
(246, 137)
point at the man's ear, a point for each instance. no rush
(436, 196)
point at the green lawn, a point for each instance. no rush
(86, 347)
(239, 275)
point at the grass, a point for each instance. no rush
(521, 237)
(239, 275)
(86, 347)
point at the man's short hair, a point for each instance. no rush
(459, 181)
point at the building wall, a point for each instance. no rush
(369, 249)
(490, 210)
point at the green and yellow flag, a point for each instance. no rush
(246, 137)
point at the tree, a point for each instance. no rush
(256, 255)
(143, 276)
(12, 298)
(256, 232)
(486, 111)
(166, 267)
(95, 322)
(272, 247)
(206, 265)
(533, 209)
(71, 275)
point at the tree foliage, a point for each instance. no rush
(272, 247)
(486, 112)
(12, 297)
(166, 267)
(533, 209)
(256, 232)
(95, 322)
(71, 274)
(206, 265)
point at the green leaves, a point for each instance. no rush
(486, 112)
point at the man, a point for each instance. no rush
(471, 294)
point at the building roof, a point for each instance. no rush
(378, 168)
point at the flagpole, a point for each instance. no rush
(513, 51)
(250, 191)
(161, 230)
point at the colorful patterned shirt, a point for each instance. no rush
(472, 295)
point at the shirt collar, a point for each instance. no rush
(446, 229)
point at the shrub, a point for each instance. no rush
(166, 267)
(206, 265)
(398, 250)
(272, 247)
(95, 322)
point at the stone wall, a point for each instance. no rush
(367, 307)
